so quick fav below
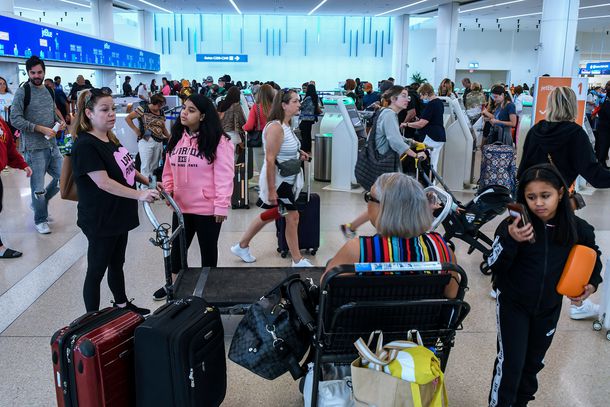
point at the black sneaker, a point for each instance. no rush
(160, 294)
(132, 307)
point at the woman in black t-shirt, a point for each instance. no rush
(105, 178)
(431, 129)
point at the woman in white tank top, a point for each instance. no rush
(278, 192)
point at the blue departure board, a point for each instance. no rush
(22, 39)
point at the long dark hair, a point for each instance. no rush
(209, 132)
(311, 92)
(565, 232)
(277, 110)
(233, 96)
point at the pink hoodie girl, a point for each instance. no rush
(199, 187)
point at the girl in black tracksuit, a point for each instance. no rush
(525, 276)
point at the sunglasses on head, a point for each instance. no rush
(368, 197)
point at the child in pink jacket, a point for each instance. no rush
(198, 173)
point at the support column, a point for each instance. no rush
(558, 37)
(400, 50)
(6, 7)
(103, 27)
(146, 25)
(446, 42)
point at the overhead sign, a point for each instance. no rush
(473, 65)
(222, 58)
(592, 66)
(546, 84)
(22, 39)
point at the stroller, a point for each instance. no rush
(465, 221)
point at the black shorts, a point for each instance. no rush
(285, 198)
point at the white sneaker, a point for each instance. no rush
(493, 294)
(243, 253)
(43, 228)
(588, 309)
(302, 263)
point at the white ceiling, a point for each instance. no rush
(470, 20)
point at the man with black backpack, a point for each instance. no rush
(34, 114)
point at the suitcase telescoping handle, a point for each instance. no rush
(164, 240)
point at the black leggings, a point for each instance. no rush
(207, 230)
(305, 127)
(105, 253)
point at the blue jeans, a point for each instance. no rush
(44, 161)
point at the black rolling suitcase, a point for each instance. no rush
(180, 356)
(243, 172)
(308, 205)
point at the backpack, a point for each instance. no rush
(27, 98)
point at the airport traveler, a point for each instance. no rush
(260, 110)
(105, 178)
(467, 89)
(560, 139)
(504, 118)
(153, 87)
(127, 90)
(9, 157)
(61, 100)
(142, 92)
(475, 98)
(77, 87)
(370, 96)
(278, 193)
(198, 173)
(166, 88)
(400, 211)
(387, 137)
(232, 116)
(6, 99)
(410, 114)
(310, 109)
(446, 88)
(151, 133)
(57, 81)
(36, 122)
(526, 275)
(350, 87)
(602, 142)
(430, 128)
(518, 99)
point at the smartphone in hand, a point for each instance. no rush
(517, 209)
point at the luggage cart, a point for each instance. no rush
(354, 304)
(222, 287)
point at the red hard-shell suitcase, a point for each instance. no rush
(93, 362)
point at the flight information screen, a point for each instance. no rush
(23, 39)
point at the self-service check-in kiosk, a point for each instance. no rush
(246, 101)
(342, 122)
(457, 155)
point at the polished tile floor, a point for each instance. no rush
(41, 292)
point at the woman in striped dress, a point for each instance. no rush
(398, 207)
(278, 192)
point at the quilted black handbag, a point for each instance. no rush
(370, 164)
(275, 334)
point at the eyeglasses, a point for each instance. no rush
(368, 197)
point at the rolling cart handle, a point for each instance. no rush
(164, 240)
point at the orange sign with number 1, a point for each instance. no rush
(546, 84)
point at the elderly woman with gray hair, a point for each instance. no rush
(400, 211)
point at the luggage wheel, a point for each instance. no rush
(283, 254)
(484, 267)
(597, 325)
(313, 251)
